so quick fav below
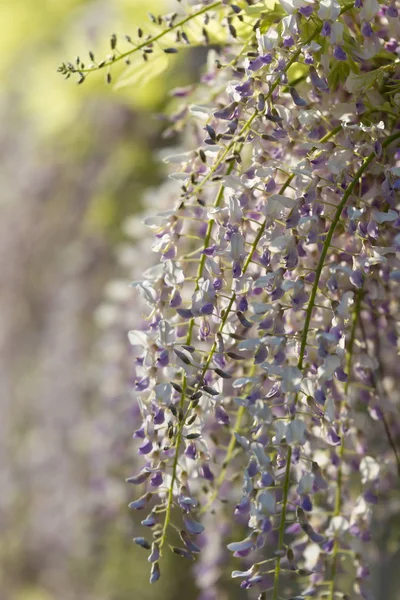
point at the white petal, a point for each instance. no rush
(291, 379)
(326, 371)
(369, 469)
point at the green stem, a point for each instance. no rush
(173, 477)
(178, 439)
(151, 40)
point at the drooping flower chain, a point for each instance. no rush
(254, 372)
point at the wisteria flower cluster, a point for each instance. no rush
(266, 361)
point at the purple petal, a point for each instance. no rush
(139, 478)
(155, 572)
(193, 526)
(339, 53)
(146, 447)
(242, 546)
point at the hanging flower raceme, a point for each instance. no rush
(266, 359)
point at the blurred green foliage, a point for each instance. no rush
(68, 126)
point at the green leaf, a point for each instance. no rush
(338, 74)
(307, 29)
(143, 72)
(268, 12)
(261, 8)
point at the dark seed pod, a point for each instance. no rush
(220, 342)
(185, 313)
(188, 348)
(261, 102)
(182, 552)
(223, 374)
(182, 356)
(170, 50)
(192, 436)
(273, 118)
(237, 336)
(113, 41)
(211, 132)
(304, 572)
(210, 390)
(243, 320)
(235, 356)
(301, 516)
(191, 420)
(140, 541)
(176, 387)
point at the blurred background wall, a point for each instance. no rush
(74, 163)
